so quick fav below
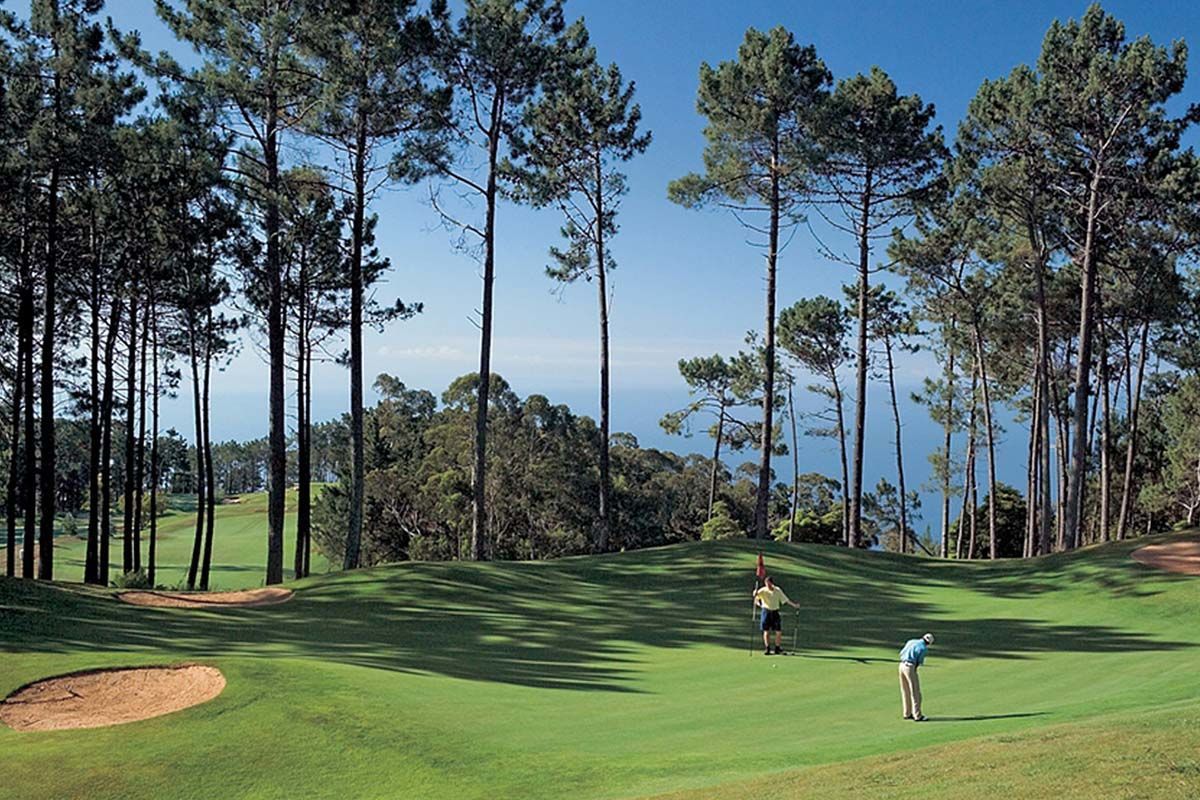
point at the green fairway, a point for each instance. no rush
(239, 543)
(629, 676)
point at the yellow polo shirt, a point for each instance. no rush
(771, 599)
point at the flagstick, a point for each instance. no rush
(796, 632)
(753, 616)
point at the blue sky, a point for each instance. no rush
(687, 283)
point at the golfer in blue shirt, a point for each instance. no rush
(911, 658)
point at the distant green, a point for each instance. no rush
(239, 543)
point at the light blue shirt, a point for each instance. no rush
(914, 651)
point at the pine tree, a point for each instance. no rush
(761, 111)
(254, 71)
(496, 57)
(372, 58)
(579, 134)
(877, 157)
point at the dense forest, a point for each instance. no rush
(153, 221)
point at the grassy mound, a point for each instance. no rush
(629, 676)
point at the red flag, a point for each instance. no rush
(761, 570)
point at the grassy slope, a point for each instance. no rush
(239, 544)
(628, 675)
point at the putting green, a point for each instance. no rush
(629, 676)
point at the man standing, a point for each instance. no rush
(911, 659)
(770, 598)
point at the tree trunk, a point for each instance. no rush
(991, 441)
(795, 459)
(841, 433)
(154, 469)
(1105, 436)
(106, 417)
(307, 567)
(140, 470)
(277, 436)
(358, 469)
(1046, 500)
(209, 482)
(91, 560)
(479, 517)
(968, 473)
(1031, 471)
(763, 497)
(1063, 432)
(860, 412)
(31, 474)
(16, 463)
(49, 470)
(1078, 474)
(605, 365)
(1133, 398)
(891, 368)
(201, 493)
(716, 462)
(974, 507)
(948, 441)
(1043, 382)
(303, 438)
(130, 436)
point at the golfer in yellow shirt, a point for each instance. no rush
(770, 598)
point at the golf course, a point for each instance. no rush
(238, 549)
(630, 675)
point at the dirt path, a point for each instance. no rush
(251, 598)
(1181, 557)
(109, 697)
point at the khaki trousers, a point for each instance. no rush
(910, 690)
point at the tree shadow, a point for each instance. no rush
(984, 717)
(572, 624)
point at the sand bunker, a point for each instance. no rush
(1174, 556)
(109, 697)
(247, 599)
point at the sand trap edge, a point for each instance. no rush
(202, 683)
(1182, 558)
(250, 598)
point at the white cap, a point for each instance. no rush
(928, 638)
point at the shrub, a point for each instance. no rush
(721, 525)
(133, 580)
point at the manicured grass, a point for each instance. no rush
(239, 544)
(629, 676)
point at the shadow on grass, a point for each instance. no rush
(984, 717)
(576, 624)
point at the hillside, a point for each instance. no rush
(629, 676)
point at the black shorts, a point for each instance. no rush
(771, 621)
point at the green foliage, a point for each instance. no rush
(1011, 510)
(69, 526)
(569, 154)
(132, 580)
(543, 480)
(721, 525)
(760, 111)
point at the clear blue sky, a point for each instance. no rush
(687, 283)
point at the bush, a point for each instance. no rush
(133, 580)
(70, 525)
(721, 525)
